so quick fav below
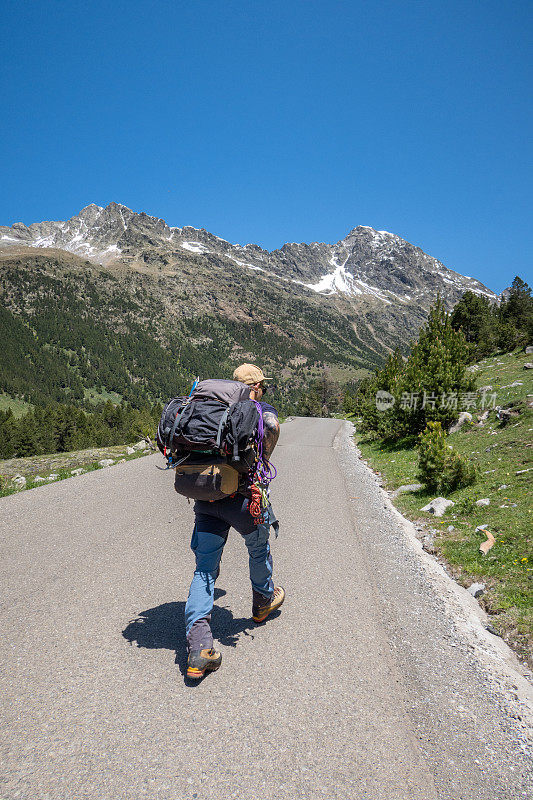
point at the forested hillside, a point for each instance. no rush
(70, 327)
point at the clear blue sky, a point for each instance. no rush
(275, 121)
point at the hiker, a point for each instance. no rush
(212, 523)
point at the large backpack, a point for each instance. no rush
(210, 438)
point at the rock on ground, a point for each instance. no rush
(512, 385)
(464, 416)
(438, 506)
(407, 487)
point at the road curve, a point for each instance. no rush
(362, 687)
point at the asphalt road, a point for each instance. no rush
(374, 681)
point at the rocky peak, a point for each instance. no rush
(366, 265)
(90, 213)
(505, 295)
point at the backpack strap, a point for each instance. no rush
(174, 429)
(181, 416)
(222, 425)
(236, 456)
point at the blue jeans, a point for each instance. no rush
(212, 524)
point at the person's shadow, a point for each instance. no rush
(164, 627)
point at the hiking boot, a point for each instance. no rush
(261, 612)
(202, 661)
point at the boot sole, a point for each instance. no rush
(195, 674)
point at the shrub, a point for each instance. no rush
(440, 467)
(467, 505)
(458, 472)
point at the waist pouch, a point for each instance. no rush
(206, 481)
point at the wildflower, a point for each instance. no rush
(524, 559)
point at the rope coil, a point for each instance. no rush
(265, 472)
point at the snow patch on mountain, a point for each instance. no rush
(372, 290)
(343, 282)
(337, 281)
(44, 241)
(458, 282)
(245, 264)
(195, 247)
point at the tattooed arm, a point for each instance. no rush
(271, 434)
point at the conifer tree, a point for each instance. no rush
(435, 376)
(430, 386)
(8, 434)
(474, 315)
(388, 379)
(516, 316)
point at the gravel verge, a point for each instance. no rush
(468, 691)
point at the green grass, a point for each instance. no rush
(18, 407)
(93, 395)
(101, 395)
(498, 453)
(60, 464)
(503, 370)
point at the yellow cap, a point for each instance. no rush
(249, 374)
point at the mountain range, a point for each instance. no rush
(204, 303)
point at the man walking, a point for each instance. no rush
(212, 523)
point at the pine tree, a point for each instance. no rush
(474, 315)
(388, 379)
(435, 373)
(8, 434)
(516, 316)
(440, 467)
(426, 387)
